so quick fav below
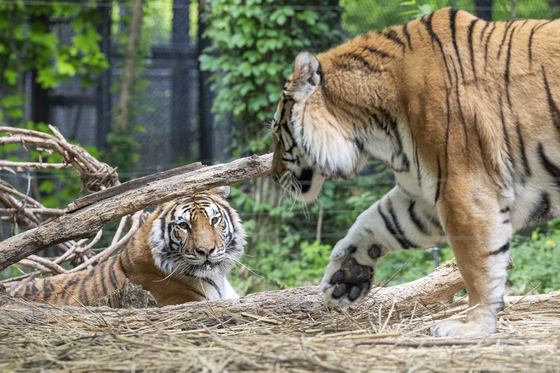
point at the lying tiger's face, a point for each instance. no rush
(197, 236)
(311, 143)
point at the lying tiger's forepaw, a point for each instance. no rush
(452, 328)
(346, 281)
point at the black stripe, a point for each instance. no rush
(112, 275)
(438, 180)
(416, 220)
(522, 147)
(94, 281)
(508, 25)
(405, 31)
(213, 284)
(34, 289)
(554, 111)
(122, 267)
(486, 45)
(417, 160)
(460, 107)
(552, 169)
(506, 73)
(393, 36)
(84, 299)
(102, 279)
(477, 130)
(452, 18)
(436, 223)
(378, 52)
(48, 288)
(484, 29)
(471, 48)
(447, 131)
(541, 211)
(363, 61)
(428, 23)
(396, 228)
(129, 262)
(501, 250)
(533, 30)
(196, 292)
(506, 137)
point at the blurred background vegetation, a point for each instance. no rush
(207, 77)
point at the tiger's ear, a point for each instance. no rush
(223, 191)
(306, 76)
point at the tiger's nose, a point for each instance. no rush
(205, 250)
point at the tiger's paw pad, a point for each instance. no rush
(348, 284)
(451, 328)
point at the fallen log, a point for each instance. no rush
(422, 295)
(86, 221)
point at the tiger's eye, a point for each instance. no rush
(215, 220)
(183, 225)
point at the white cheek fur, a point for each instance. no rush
(331, 151)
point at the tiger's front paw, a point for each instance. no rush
(346, 281)
(452, 328)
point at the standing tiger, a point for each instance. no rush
(465, 112)
(182, 253)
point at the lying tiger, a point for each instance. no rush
(466, 113)
(182, 253)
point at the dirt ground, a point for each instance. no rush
(41, 338)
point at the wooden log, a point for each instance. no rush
(86, 221)
(129, 185)
(420, 296)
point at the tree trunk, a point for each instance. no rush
(427, 294)
(483, 9)
(131, 67)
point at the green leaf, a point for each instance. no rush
(46, 77)
(65, 68)
(47, 186)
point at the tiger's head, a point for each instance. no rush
(312, 141)
(197, 236)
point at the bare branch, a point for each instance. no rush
(95, 175)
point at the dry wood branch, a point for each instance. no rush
(85, 222)
(94, 175)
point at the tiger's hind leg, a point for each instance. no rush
(479, 232)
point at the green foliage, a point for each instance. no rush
(28, 43)
(536, 261)
(254, 44)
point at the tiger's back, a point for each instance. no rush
(75, 289)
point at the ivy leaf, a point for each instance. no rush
(46, 77)
(65, 68)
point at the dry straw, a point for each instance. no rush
(38, 338)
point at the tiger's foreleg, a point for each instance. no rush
(396, 222)
(478, 224)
